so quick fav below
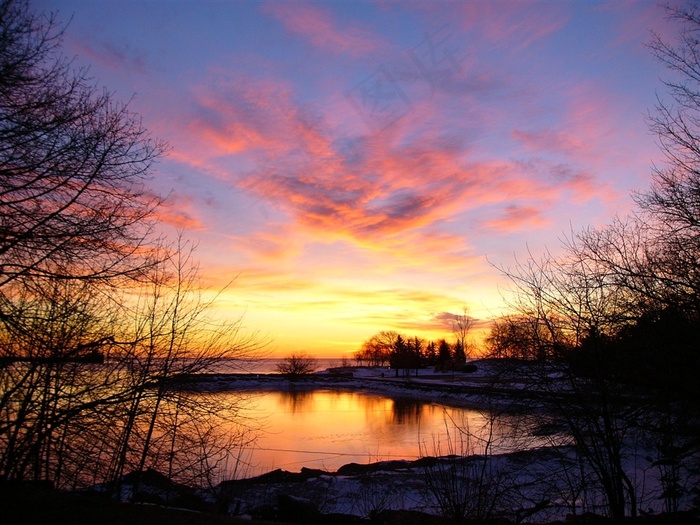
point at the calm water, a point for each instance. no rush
(327, 429)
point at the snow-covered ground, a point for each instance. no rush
(535, 486)
(510, 486)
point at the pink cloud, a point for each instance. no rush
(585, 125)
(381, 192)
(584, 144)
(517, 218)
(179, 213)
(551, 178)
(515, 25)
(384, 196)
(274, 243)
(372, 189)
(393, 190)
(549, 139)
(116, 57)
(318, 27)
(238, 115)
(634, 25)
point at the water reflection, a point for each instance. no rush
(327, 429)
(407, 411)
(296, 400)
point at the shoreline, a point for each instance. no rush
(487, 387)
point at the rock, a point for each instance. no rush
(310, 473)
(296, 510)
(356, 469)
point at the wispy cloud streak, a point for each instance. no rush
(316, 25)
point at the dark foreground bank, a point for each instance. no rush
(33, 505)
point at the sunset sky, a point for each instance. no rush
(364, 166)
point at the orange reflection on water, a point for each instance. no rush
(327, 429)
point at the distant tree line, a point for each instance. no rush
(403, 354)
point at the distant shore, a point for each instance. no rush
(484, 386)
